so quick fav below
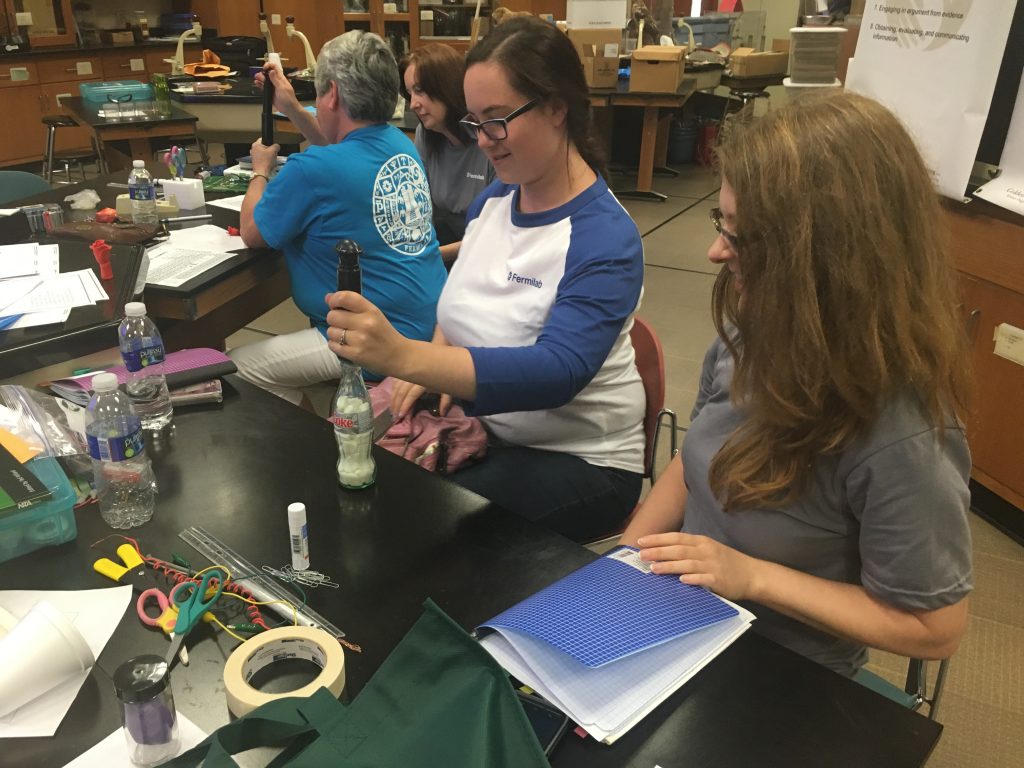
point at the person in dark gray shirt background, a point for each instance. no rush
(457, 171)
(823, 480)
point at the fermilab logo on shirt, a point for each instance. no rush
(532, 281)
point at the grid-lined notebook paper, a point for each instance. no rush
(611, 641)
(611, 608)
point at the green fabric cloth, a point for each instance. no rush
(439, 699)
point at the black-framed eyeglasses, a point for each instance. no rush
(495, 129)
(730, 238)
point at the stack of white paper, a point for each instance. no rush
(611, 641)
(33, 291)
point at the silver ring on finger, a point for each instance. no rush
(344, 334)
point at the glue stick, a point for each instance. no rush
(299, 535)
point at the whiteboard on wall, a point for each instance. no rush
(934, 63)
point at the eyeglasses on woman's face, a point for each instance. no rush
(495, 129)
(729, 237)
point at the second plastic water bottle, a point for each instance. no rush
(125, 486)
(142, 350)
(143, 194)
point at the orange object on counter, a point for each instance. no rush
(106, 216)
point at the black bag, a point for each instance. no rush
(238, 51)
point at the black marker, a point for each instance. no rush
(268, 101)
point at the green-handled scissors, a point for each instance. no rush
(193, 600)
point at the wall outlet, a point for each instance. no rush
(1009, 343)
(275, 18)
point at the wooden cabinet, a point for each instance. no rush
(988, 251)
(125, 65)
(23, 128)
(397, 21)
(228, 17)
(318, 20)
(22, 107)
(75, 67)
(156, 59)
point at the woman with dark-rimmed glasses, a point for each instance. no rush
(823, 481)
(533, 326)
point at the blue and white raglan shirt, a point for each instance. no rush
(544, 303)
(369, 187)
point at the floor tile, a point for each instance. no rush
(649, 215)
(284, 318)
(244, 336)
(977, 735)
(990, 540)
(998, 587)
(683, 242)
(694, 181)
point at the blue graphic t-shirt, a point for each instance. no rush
(370, 188)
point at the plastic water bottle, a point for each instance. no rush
(142, 193)
(353, 414)
(142, 350)
(125, 485)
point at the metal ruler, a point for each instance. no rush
(263, 587)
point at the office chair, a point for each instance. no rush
(915, 690)
(15, 185)
(650, 363)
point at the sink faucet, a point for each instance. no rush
(265, 31)
(178, 62)
(293, 32)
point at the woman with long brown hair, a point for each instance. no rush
(457, 171)
(824, 476)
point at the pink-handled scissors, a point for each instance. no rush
(168, 613)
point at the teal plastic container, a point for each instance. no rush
(98, 92)
(41, 525)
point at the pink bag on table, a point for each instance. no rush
(441, 444)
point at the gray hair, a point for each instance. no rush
(364, 69)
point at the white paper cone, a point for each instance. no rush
(39, 653)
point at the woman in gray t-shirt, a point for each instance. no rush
(823, 481)
(457, 170)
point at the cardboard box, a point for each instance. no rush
(657, 68)
(581, 38)
(601, 71)
(117, 37)
(746, 62)
(780, 45)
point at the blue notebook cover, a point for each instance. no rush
(612, 608)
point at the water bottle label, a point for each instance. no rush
(137, 359)
(141, 192)
(119, 447)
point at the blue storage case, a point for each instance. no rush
(98, 92)
(45, 524)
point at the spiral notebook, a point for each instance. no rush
(611, 641)
(182, 368)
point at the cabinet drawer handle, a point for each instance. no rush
(5, 77)
(71, 69)
(124, 66)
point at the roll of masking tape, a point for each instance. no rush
(275, 645)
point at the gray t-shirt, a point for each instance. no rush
(456, 175)
(889, 513)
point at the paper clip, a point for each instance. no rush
(305, 578)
